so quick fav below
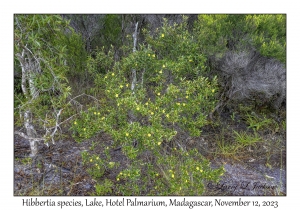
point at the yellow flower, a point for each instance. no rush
(138, 108)
(105, 77)
(183, 104)
(148, 54)
(98, 113)
(146, 103)
(127, 134)
(158, 94)
(91, 160)
(160, 71)
(95, 113)
(75, 123)
(201, 170)
(149, 134)
(96, 164)
(178, 104)
(158, 143)
(156, 174)
(186, 180)
(172, 175)
(153, 55)
(121, 86)
(163, 111)
(152, 113)
(162, 35)
(164, 66)
(84, 129)
(167, 115)
(187, 97)
(213, 90)
(127, 85)
(117, 95)
(190, 60)
(112, 74)
(118, 179)
(97, 158)
(103, 118)
(197, 168)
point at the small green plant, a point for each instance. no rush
(104, 188)
(26, 161)
(92, 147)
(256, 123)
(128, 181)
(233, 116)
(96, 166)
(245, 139)
(261, 122)
(225, 147)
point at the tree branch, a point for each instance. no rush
(29, 138)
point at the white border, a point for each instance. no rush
(8, 8)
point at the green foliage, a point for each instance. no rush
(213, 33)
(47, 49)
(245, 139)
(143, 115)
(233, 144)
(180, 173)
(217, 34)
(184, 173)
(257, 123)
(76, 54)
(128, 181)
(186, 104)
(112, 31)
(41, 34)
(25, 161)
(88, 124)
(269, 34)
(104, 188)
(96, 166)
(177, 49)
(102, 62)
(260, 120)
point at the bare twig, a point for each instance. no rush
(27, 137)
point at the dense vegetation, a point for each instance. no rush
(154, 84)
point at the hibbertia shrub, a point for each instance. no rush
(149, 96)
